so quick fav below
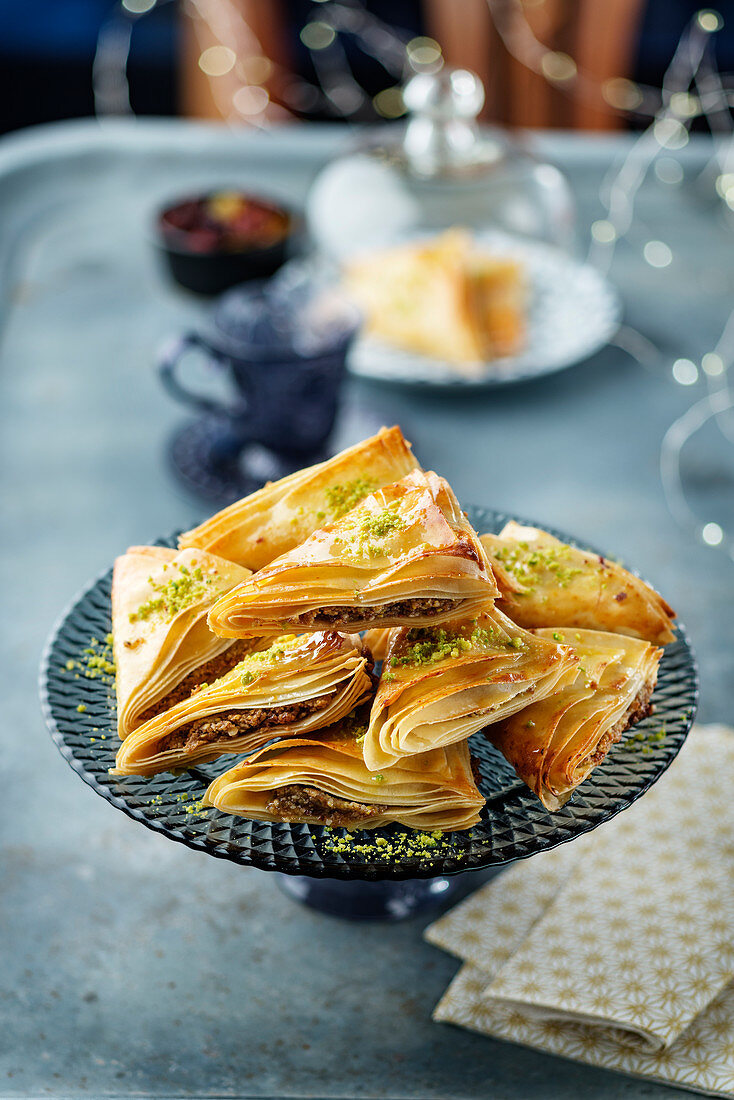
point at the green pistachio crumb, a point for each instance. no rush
(341, 499)
(174, 595)
(388, 849)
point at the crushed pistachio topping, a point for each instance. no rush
(340, 499)
(377, 525)
(194, 807)
(252, 666)
(95, 661)
(379, 778)
(646, 742)
(430, 644)
(269, 655)
(388, 849)
(172, 596)
(526, 562)
(558, 637)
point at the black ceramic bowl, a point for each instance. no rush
(211, 242)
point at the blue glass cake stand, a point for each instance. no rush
(81, 717)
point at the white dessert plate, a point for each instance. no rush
(573, 312)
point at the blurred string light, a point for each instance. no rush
(709, 532)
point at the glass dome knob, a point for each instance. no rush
(442, 135)
(450, 93)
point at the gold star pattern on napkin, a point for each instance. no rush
(617, 950)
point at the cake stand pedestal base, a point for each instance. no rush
(388, 900)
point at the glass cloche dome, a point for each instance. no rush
(440, 169)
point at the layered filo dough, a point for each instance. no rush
(441, 684)
(554, 744)
(405, 554)
(545, 582)
(377, 641)
(298, 685)
(163, 647)
(445, 297)
(326, 782)
(259, 528)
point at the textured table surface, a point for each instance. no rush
(130, 965)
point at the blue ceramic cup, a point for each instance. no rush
(282, 345)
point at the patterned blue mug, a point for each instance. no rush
(282, 344)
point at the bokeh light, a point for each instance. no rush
(250, 100)
(712, 364)
(709, 20)
(668, 170)
(712, 534)
(685, 372)
(217, 60)
(424, 54)
(389, 102)
(318, 35)
(621, 93)
(138, 7)
(558, 66)
(657, 254)
(603, 232)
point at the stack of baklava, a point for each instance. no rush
(263, 634)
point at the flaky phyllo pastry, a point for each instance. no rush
(298, 685)
(256, 530)
(555, 743)
(441, 684)
(445, 297)
(406, 553)
(326, 782)
(163, 646)
(552, 584)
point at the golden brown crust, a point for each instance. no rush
(405, 553)
(258, 529)
(554, 744)
(545, 582)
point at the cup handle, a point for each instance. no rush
(168, 366)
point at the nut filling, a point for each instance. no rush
(204, 674)
(294, 803)
(638, 709)
(405, 608)
(235, 723)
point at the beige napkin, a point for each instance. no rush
(616, 950)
